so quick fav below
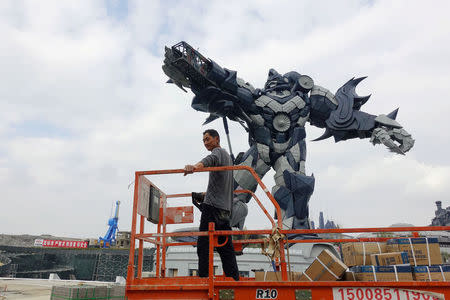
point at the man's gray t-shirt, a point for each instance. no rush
(221, 184)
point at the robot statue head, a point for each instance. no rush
(276, 81)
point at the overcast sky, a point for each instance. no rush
(84, 104)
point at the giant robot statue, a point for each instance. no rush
(275, 118)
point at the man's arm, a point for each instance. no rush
(189, 169)
(211, 160)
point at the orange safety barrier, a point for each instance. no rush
(220, 287)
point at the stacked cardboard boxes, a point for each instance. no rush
(389, 259)
(400, 259)
(421, 251)
(403, 259)
(383, 273)
(358, 254)
(432, 273)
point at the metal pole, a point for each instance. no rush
(227, 132)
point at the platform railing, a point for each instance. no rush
(160, 238)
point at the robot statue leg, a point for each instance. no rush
(256, 157)
(293, 188)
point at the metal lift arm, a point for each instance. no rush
(110, 236)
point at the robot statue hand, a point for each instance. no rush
(396, 140)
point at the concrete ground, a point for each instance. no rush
(34, 289)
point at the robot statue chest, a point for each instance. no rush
(279, 111)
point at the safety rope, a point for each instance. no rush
(271, 247)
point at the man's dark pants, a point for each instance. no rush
(221, 220)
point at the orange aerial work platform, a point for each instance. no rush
(151, 203)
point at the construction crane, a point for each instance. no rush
(110, 237)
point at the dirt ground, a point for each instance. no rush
(25, 289)
(32, 289)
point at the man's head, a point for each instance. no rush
(211, 139)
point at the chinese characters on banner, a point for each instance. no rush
(60, 243)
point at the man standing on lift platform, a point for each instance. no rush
(216, 206)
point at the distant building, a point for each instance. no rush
(329, 224)
(442, 216)
(321, 222)
(123, 239)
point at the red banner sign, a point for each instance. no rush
(60, 243)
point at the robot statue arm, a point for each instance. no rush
(217, 90)
(342, 119)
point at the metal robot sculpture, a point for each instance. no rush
(275, 118)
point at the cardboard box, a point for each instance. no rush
(389, 259)
(421, 251)
(276, 276)
(431, 273)
(383, 273)
(358, 254)
(326, 267)
(273, 276)
(259, 275)
(295, 276)
(349, 276)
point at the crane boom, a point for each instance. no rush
(110, 237)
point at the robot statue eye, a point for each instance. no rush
(273, 74)
(276, 81)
